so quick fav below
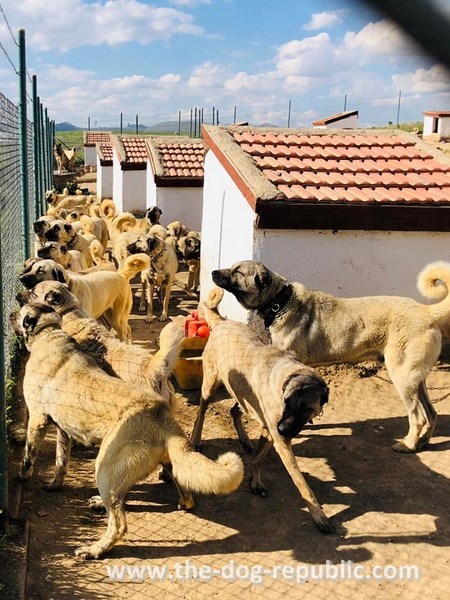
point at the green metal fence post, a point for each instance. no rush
(37, 172)
(4, 511)
(23, 145)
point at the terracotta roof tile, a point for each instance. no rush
(106, 152)
(347, 168)
(94, 137)
(135, 149)
(179, 158)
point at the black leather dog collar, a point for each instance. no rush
(269, 313)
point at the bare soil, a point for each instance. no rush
(387, 508)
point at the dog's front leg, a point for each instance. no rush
(150, 291)
(37, 428)
(63, 445)
(284, 450)
(196, 436)
(167, 287)
(264, 445)
(236, 414)
(143, 300)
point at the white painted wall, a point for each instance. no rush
(104, 180)
(90, 156)
(227, 231)
(129, 187)
(346, 263)
(347, 123)
(443, 126)
(151, 199)
(183, 204)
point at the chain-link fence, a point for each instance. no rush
(20, 202)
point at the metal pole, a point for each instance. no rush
(23, 145)
(217, 116)
(398, 107)
(345, 102)
(289, 115)
(214, 114)
(4, 509)
(179, 122)
(137, 124)
(89, 123)
(121, 123)
(37, 174)
(195, 122)
(234, 117)
(190, 125)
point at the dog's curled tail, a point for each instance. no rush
(211, 313)
(161, 364)
(197, 473)
(433, 282)
(97, 251)
(87, 224)
(126, 219)
(107, 209)
(133, 264)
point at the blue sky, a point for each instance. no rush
(101, 58)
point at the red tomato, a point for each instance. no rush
(203, 331)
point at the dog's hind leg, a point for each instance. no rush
(264, 445)
(186, 500)
(63, 444)
(284, 450)
(407, 384)
(36, 430)
(428, 430)
(236, 415)
(150, 290)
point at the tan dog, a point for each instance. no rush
(323, 329)
(95, 226)
(270, 384)
(161, 273)
(72, 260)
(433, 282)
(101, 293)
(63, 232)
(189, 248)
(134, 426)
(40, 226)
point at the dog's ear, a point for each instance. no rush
(58, 275)
(67, 227)
(54, 298)
(132, 249)
(63, 250)
(262, 276)
(29, 323)
(22, 297)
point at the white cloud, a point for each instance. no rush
(310, 56)
(189, 3)
(74, 23)
(381, 38)
(207, 75)
(323, 20)
(424, 81)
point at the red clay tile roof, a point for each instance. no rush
(324, 168)
(105, 152)
(177, 159)
(93, 137)
(131, 150)
(334, 118)
(437, 113)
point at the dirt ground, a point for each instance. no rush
(389, 510)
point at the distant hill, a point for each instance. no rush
(66, 127)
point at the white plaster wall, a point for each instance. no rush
(183, 204)
(104, 181)
(227, 231)
(117, 183)
(347, 123)
(151, 199)
(427, 125)
(134, 190)
(352, 263)
(90, 156)
(444, 127)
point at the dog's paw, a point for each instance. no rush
(163, 318)
(403, 448)
(186, 503)
(96, 503)
(52, 486)
(88, 552)
(149, 319)
(324, 525)
(259, 489)
(247, 445)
